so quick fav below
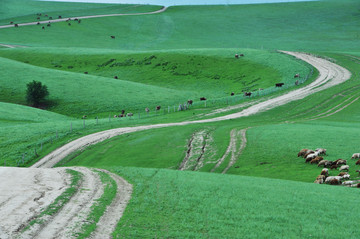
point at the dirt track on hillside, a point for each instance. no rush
(330, 75)
(84, 17)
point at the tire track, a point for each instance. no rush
(237, 152)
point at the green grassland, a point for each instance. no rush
(20, 11)
(172, 204)
(164, 59)
(144, 79)
(316, 26)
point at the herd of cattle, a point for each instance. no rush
(49, 18)
(316, 157)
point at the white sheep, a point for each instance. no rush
(344, 167)
(329, 179)
(355, 156)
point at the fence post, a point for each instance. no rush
(35, 151)
(84, 123)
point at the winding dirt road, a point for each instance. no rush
(84, 17)
(330, 74)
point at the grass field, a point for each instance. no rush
(165, 59)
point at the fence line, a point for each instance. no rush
(37, 148)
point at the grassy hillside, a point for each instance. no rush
(170, 204)
(144, 79)
(20, 11)
(317, 26)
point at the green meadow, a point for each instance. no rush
(165, 59)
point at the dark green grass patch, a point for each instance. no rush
(172, 204)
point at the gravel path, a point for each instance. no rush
(84, 17)
(330, 75)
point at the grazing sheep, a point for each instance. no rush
(348, 183)
(311, 156)
(333, 180)
(323, 162)
(49, 25)
(121, 115)
(342, 174)
(16, 25)
(202, 98)
(334, 166)
(341, 162)
(297, 76)
(320, 179)
(279, 84)
(115, 116)
(357, 162)
(308, 153)
(247, 94)
(158, 107)
(122, 111)
(344, 167)
(129, 114)
(59, 17)
(86, 72)
(190, 102)
(346, 176)
(84, 117)
(237, 56)
(302, 152)
(321, 151)
(325, 172)
(232, 93)
(147, 110)
(116, 77)
(316, 160)
(113, 37)
(43, 28)
(328, 164)
(355, 156)
(241, 54)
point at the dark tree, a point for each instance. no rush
(36, 93)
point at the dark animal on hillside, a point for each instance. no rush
(38, 18)
(43, 28)
(69, 24)
(122, 111)
(237, 56)
(357, 162)
(79, 21)
(358, 185)
(38, 23)
(241, 54)
(39, 14)
(86, 72)
(334, 166)
(130, 114)
(121, 115)
(69, 19)
(84, 117)
(16, 25)
(202, 98)
(46, 15)
(76, 19)
(49, 25)
(302, 152)
(232, 93)
(279, 84)
(113, 37)
(247, 94)
(158, 107)
(59, 17)
(11, 22)
(115, 77)
(297, 76)
(190, 102)
(50, 18)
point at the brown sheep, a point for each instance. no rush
(342, 174)
(190, 102)
(325, 172)
(308, 153)
(302, 152)
(334, 166)
(316, 160)
(158, 107)
(320, 179)
(334, 181)
(358, 185)
(357, 162)
(308, 160)
(341, 162)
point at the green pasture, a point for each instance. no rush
(20, 11)
(144, 79)
(302, 26)
(171, 204)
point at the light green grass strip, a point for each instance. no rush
(99, 207)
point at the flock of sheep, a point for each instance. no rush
(315, 157)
